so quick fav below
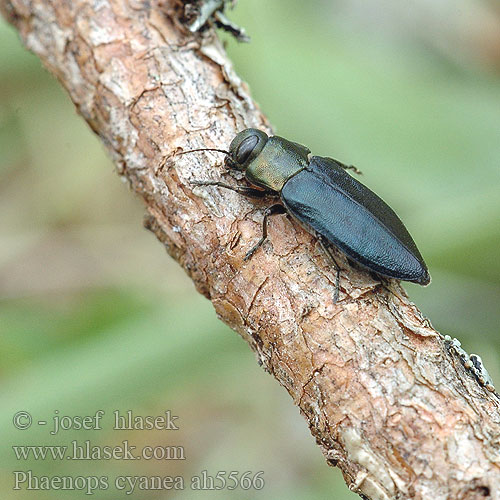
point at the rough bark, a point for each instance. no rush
(384, 397)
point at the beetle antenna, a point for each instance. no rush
(204, 149)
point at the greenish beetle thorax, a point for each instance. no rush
(268, 162)
(277, 161)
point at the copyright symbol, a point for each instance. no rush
(22, 420)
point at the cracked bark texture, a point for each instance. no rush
(384, 398)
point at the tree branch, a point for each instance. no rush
(385, 397)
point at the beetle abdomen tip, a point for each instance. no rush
(425, 279)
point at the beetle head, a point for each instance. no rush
(245, 147)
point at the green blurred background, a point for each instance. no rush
(95, 315)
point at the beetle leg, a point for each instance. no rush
(246, 191)
(273, 210)
(326, 247)
(349, 167)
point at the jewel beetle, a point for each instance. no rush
(332, 204)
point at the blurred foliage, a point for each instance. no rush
(94, 315)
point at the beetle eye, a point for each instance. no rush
(245, 149)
